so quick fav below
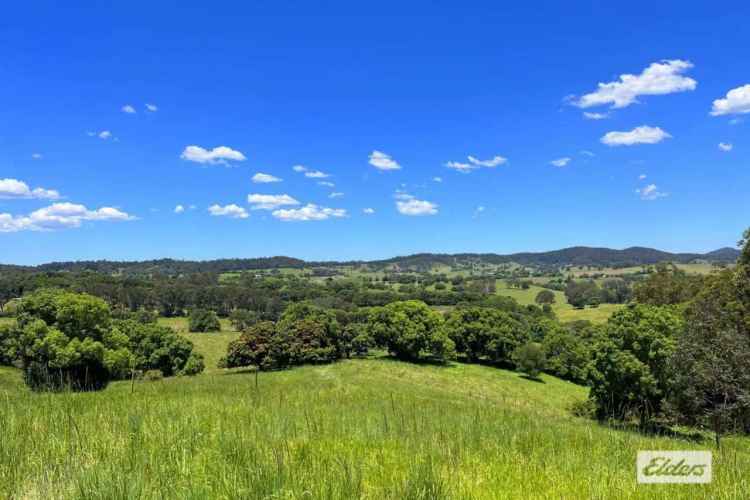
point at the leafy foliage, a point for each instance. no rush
(530, 359)
(411, 331)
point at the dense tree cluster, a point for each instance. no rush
(68, 340)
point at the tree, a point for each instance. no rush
(629, 374)
(529, 359)
(545, 297)
(581, 293)
(242, 319)
(485, 333)
(257, 346)
(668, 285)
(567, 354)
(411, 331)
(712, 381)
(203, 320)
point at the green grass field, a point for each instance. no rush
(375, 428)
(564, 311)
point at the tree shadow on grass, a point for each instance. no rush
(424, 362)
(656, 429)
(532, 379)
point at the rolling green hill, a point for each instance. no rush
(372, 428)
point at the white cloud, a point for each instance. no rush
(736, 102)
(179, 209)
(299, 168)
(37, 156)
(726, 147)
(493, 162)
(270, 201)
(152, 108)
(232, 211)
(595, 116)
(217, 155)
(316, 174)
(104, 134)
(13, 188)
(464, 168)
(560, 162)
(383, 161)
(336, 195)
(128, 109)
(585, 152)
(406, 204)
(59, 216)
(309, 212)
(368, 211)
(437, 179)
(660, 78)
(326, 184)
(639, 135)
(651, 192)
(261, 178)
(642, 177)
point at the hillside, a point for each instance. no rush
(357, 429)
(574, 256)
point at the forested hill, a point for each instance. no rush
(577, 256)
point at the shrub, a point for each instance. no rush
(567, 355)
(529, 359)
(157, 347)
(203, 320)
(411, 331)
(153, 375)
(545, 297)
(8, 344)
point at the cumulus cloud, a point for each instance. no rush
(37, 156)
(232, 211)
(642, 177)
(492, 162)
(309, 212)
(217, 155)
(639, 135)
(179, 209)
(725, 146)
(595, 116)
(270, 201)
(650, 193)
(104, 134)
(152, 108)
(336, 195)
(316, 174)
(326, 184)
(368, 211)
(665, 77)
(464, 168)
(128, 109)
(383, 161)
(407, 204)
(13, 188)
(736, 102)
(560, 162)
(437, 179)
(299, 168)
(261, 178)
(59, 216)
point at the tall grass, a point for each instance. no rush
(356, 429)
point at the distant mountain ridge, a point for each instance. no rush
(576, 256)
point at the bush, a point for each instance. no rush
(567, 355)
(411, 331)
(153, 375)
(203, 320)
(529, 359)
(8, 344)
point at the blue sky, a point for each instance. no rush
(354, 90)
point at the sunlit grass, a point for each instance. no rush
(357, 429)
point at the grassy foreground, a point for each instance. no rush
(357, 429)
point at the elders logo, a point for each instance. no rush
(674, 466)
